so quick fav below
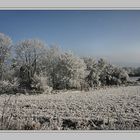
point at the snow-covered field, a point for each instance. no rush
(116, 108)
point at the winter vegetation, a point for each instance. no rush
(33, 67)
(91, 94)
(115, 108)
(135, 72)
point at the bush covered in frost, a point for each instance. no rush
(39, 84)
(102, 73)
(7, 87)
(69, 72)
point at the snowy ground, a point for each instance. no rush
(105, 109)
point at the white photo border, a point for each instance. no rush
(70, 5)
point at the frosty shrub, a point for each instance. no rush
(50, 63)
(69, 72)
(132, 71)
(121, 75)
(7, 87)
(111, 75)
(93, 78)
(104, 74)
(39, 85)
(32, 82)
(44, 83)
(92, 72)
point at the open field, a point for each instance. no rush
(116, 108)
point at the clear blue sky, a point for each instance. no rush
(113, 35)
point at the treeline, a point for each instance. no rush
(133, 71)
(31, 66)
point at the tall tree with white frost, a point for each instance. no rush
(92, 71)
(70, 72)
(28, 56)
(49, 63)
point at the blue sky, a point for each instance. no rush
(113, 35)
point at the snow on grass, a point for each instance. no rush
(111, 108)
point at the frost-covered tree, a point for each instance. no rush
(28, 57)
(104, 74)
(69, 72)
(5, 46)
(106, 70)
(92, 72)
(102, 64)
(121, 75)
(111, 75)
(132, 71)
(50, 63)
